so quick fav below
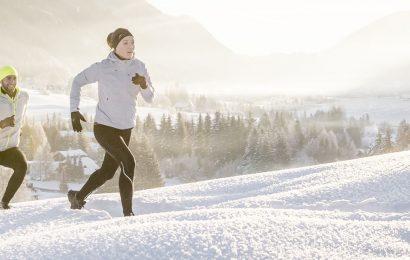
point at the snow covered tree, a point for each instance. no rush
(250, 121)
(31, 138)
(297, 139)
(181, 136)
(387, 145)
(147, 174)
(264, 122)
(149, 126)
(323, 148)
(347, 147)
(42, 157)
(265, 154)
(281, 150)
(355, 131)
(84, 142)
(403, 135)
(199, 139)
(251, 156)
(378, 144)
(164, 149)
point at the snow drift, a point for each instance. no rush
(351, 209)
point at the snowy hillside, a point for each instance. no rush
(351, 209)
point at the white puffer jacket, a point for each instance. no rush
(10, 136)
(117, 95)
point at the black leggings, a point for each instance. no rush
(13, 158)
(117, 154)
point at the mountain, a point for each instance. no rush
(344, 210)
(51, 41)
(376, 56)
(372, 60)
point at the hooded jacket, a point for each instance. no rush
(10, 136)
(117, 94)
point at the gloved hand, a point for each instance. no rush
(8, 121)
(76, 116)
(139, 80)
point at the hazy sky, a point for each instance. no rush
(257, 27)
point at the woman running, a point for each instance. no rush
(120, 78)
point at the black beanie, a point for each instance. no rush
(116, 36)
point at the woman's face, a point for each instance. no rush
(125, 48)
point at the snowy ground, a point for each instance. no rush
(347, 210)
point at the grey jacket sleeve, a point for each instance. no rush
(147, 93)
(87, 76)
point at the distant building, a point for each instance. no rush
(68, 168)
(75, 157)
(64, 155)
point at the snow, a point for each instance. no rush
(72, 153)
(89, 165)
(42, 103)
(53, 185)
(343, 210)
(380, 109)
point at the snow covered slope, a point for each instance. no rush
(351, 209)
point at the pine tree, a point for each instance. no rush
(149, 126)
(181, 135)
(199, 140)
(84, 142)
(53, 137)
(355, 131)
(264, 122)
(138, 124)
(387, 141)
(378, 145)
(297, 139)
(281, 150)
(323, 148)
(147, 174)
(250, 121)
(251, 156)
(207, 134)
(164, 149)
(403, 135)
(347, 147)
(265, 152)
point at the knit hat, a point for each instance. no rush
(7, 71)
(116, 36)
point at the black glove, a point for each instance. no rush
(139, 80)
(8, 121)
(75, 121)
